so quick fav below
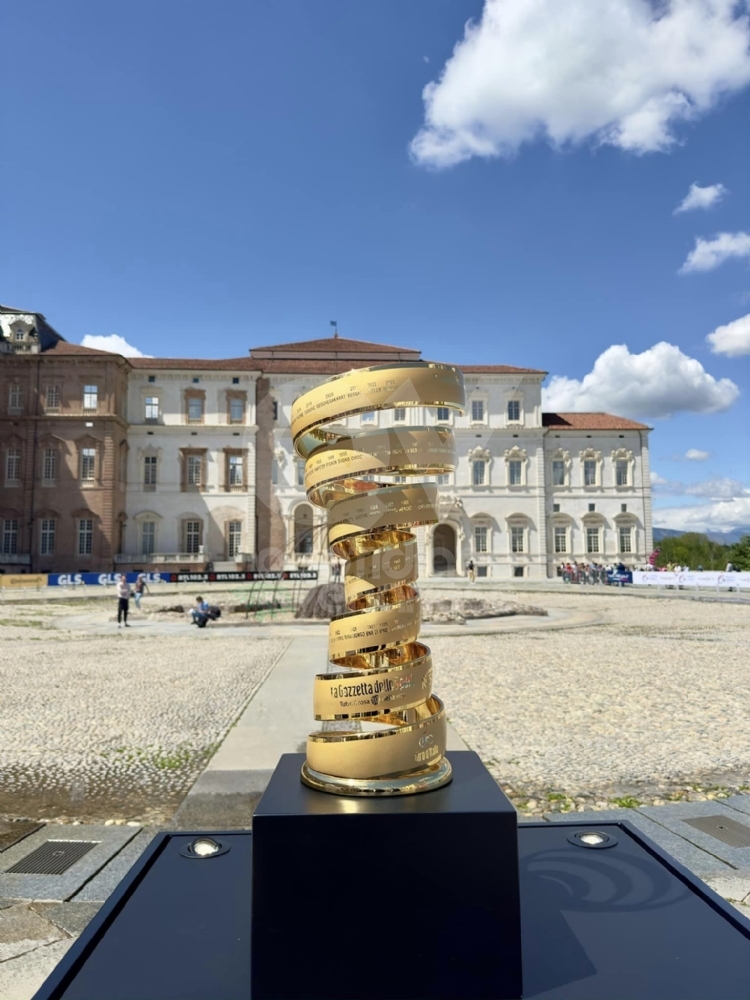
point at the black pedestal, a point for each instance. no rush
(409, 896)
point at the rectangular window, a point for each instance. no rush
(47, 536)
(623, 508)
(15, 399)
(195, 410)
(152, 378)
(367, 418)
(516, 539)
(444, 478)
(275, 410)
(274, 472)
(558, 473)
(514, 473)
(192, 537)
(514, 409)
(148, 538)
(194, 470)
(149, 473)
(478, 471)
(300, 473)
(90, 398)
(13, 467)
(555, 508)
(626, 542)
(88, 465)
(477, 411)
(85, 536)
(152, 409)
(592, 540)
(592, 508)
(399, 415)
(52, 399)
(49, 466)
(480, 539)
(443, 415)
(10, 536)
(561, 539)
(234, 538)
(589, 472)
(236, 411)
(399, 479)
(621, 472)
(235, 471)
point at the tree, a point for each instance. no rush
(739, 554)
(692, 550)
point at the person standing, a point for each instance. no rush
(470, 570)
(140, 587)
(123, 600)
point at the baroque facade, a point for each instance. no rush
(165, 464)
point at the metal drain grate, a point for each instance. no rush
(52, 858)
(727, 830)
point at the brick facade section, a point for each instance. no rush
(68, 499)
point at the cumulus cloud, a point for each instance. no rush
(657, 383)
(718, 489)
(701, 197)
(619, 72)
(696, 455)
(707, 255)
(113, 342)
(723, 515)
(732, 339)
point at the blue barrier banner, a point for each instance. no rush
(110, 579)
(101, 579)
(620, 577)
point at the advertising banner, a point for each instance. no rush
(110, 579)
(12, 580)
(693, 578)
(626, 577)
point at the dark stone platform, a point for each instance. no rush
(597, 924)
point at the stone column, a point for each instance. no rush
(269, 523)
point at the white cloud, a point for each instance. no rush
(657, 383)
(724, 515)
(113, 342)
(619, 72)
(709, 254)
(696, 455)
(698, 197)
(657, 480)
(732, 339)
(718, 489)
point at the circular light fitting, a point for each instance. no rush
(592, 838)
(204, 847)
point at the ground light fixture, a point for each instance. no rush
(596, 839)
(204, 847)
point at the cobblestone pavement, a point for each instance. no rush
(115, 727)
(651, 705)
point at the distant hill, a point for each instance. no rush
(722, 538)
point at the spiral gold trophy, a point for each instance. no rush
(383, 674)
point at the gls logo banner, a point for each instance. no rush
(97, 579)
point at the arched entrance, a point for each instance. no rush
(444, 550)
(303, 530)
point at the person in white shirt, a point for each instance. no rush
(123, 600)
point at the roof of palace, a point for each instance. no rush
(590, 422)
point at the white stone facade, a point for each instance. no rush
(184, 504)
(530, 491)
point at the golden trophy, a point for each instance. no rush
(382, 675)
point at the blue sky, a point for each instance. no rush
(198, 179)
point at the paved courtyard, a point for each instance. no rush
(650, 701)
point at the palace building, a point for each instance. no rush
(113, 463)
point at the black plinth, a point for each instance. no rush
(406, 896)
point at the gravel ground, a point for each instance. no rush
(651, 705)
(115, 726)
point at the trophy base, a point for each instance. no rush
(425, 780)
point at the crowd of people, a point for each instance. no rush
(578, 572)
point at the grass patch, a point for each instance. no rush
(626, 802)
